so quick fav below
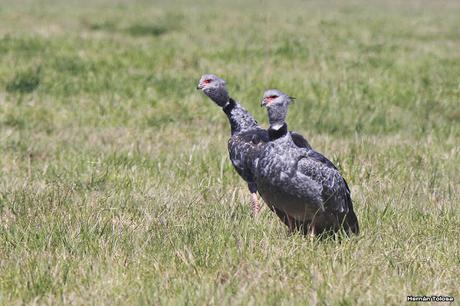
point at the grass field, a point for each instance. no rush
(116, 187)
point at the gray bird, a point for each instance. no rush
(247, 137)
(300, 182)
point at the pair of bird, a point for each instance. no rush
(303, 188)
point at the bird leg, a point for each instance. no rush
(312, 230)
(255, 206)
(290, 223)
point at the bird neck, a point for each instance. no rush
(229, 106)
(277, 115)
(218, 95)
(240, 119)
(277, 131)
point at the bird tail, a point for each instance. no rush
(350, 223)
(350, 220)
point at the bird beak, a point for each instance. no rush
(200, 86)
(265, 102)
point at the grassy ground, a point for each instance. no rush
(115, 183)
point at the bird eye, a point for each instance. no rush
(207, 81)
(273, 97)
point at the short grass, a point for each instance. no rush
(115, 183)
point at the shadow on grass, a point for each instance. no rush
(147, 29)
(25, 81)
(161, 26)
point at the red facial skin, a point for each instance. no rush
(204, 83)
(269, 99)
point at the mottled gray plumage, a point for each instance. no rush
(247, 137)
(300, 182)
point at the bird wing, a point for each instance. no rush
(243, 148)
(300, 141)
(335, 193)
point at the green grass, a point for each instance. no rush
(115, 183)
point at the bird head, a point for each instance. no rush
(274, 97)
(215, 88)
(277, 104)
